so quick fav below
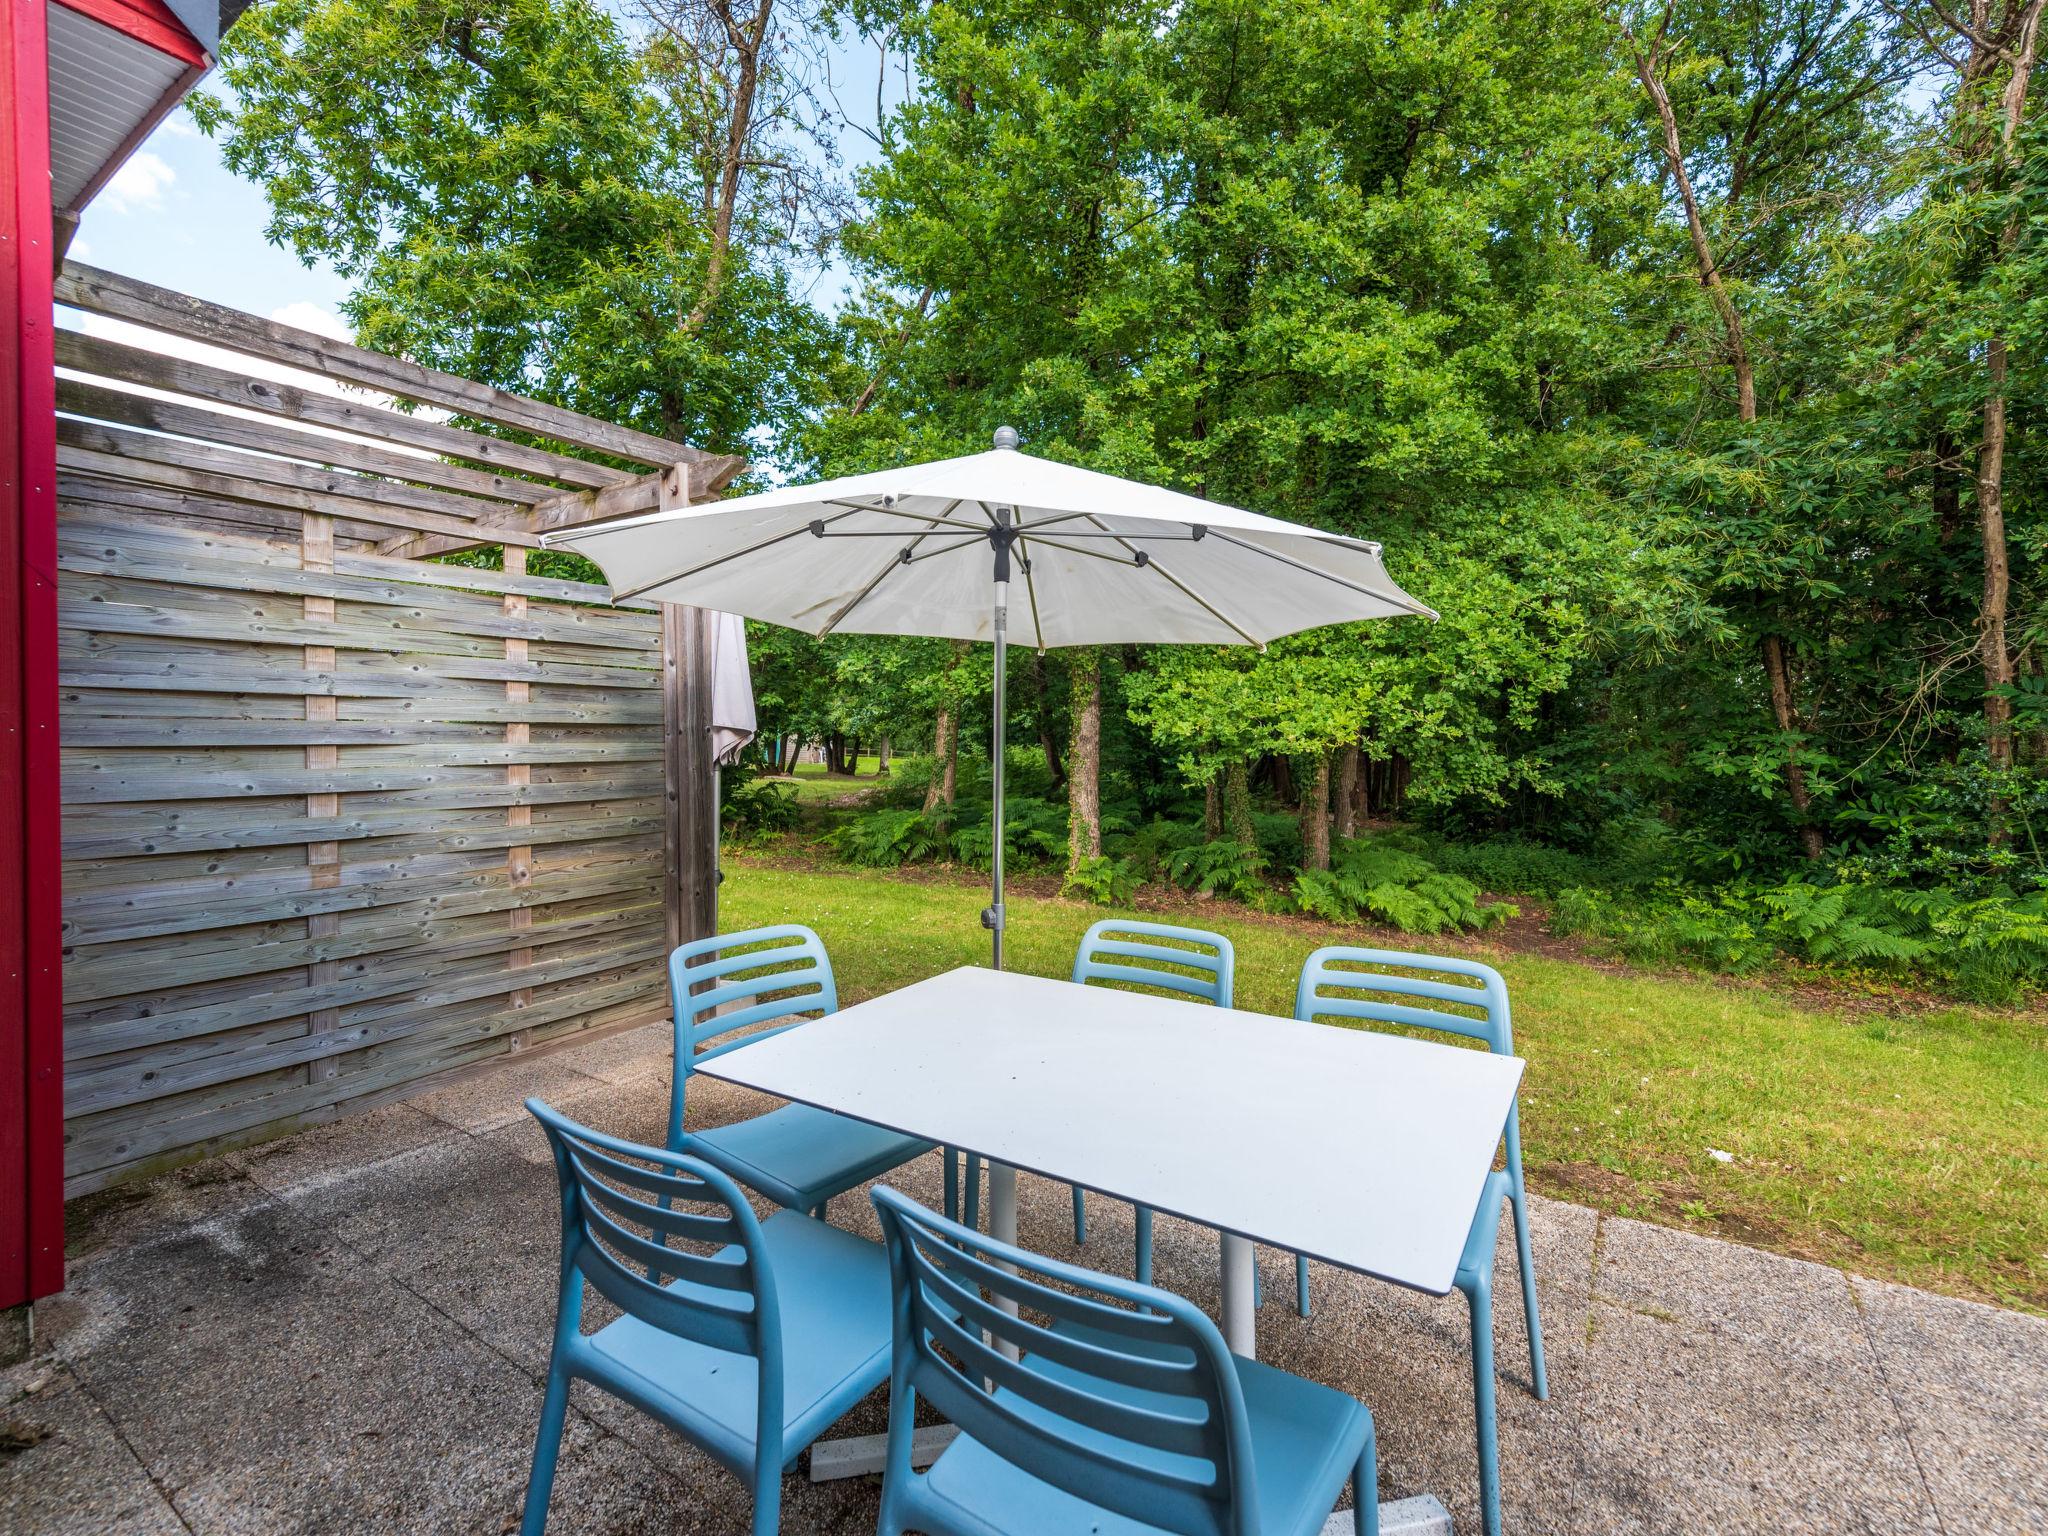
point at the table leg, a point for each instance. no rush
(1002, 1225)
(1240, 1317)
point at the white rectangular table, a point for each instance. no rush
(1368, 1151)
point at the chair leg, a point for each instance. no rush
(1258, 1282)
(1480, 1298)
(1525, 1260)
(1365, 1488)
(547, 1445)
(767, 1501)
(970, 1197)
(1301, 1283)
(1080, 1216)
(822, 1209)
(950, 1163)
(1141, 1268)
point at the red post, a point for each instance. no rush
(31, 1022)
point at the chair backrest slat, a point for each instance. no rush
(1138, 1410)
(1335, 985)
(1203, 963)
(784, 969)
(723, 1299)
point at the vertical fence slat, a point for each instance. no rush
(323, 858)
(518, 733)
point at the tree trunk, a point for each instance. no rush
(939, 792)
(1315, 815)
(1347, 792)
(1649, 65)
(1779, 673)
(882, 759)
(1283, 782)
(1048, 739)
(1212, 809)
(2009, 36)
(1237, 804)
(1084, 767)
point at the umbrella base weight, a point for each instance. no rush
(1419, 1516)
(866, 1455)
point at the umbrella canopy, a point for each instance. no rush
(934, 549)
(1098, 560)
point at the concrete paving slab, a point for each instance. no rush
(1970, 1384)
(64, 1470)
(494, 1099)
(348, 1335)
(341, 1150)
(632, 1053)
(271, 1382)
(128, 1214)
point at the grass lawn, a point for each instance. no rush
(813, 783)
(1907, 1144)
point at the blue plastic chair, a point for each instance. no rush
(1126, 1415)
(1326, 991)
(769, 1332)
(1191, 961)
(797, 1156)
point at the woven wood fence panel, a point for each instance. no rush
(337, 819)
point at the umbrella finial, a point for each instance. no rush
(1006, 437)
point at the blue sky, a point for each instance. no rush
(174, 215)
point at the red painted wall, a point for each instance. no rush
(31, 1028)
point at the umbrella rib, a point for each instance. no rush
(935, 519)
(1188, 591)
(1301, 565)
(901, 558)
(1031, 588)
(698, 570)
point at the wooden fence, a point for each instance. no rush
(339, 819)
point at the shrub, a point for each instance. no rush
(1374, 877)
(1105, 881)
(760, 808)
(1516, 866)
(1224, 867)
(1034, 831)
(1664, 926)
(1151, 846)
(884, 839)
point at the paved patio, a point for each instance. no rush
(345, 1332)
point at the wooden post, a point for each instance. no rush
(687, 889)
(323, 858)
(31, 1002)
(518, 733)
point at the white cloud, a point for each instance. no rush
(79, 249)
(308, 316)
(139, 184)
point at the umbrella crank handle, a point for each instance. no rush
(992, 919)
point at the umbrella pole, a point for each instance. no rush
(993, 918)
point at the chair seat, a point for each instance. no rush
(1306, 1439)
(834, 1299)
(800, 1157)
(1476, 1263)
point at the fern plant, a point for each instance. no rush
(1105, 881)
(885, 839)
(760, 808)
(1034, 831)
(1372, 877)
(1224, 867)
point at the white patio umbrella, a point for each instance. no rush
(932, 549)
